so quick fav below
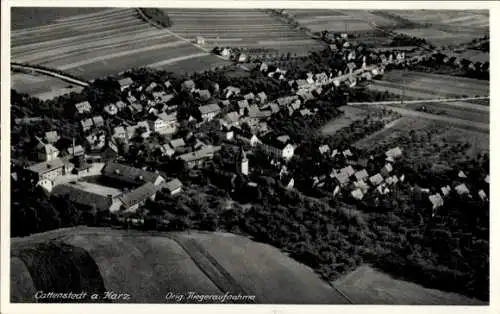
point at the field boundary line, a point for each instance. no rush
(48, 72)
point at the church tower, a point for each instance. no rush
(243, 162)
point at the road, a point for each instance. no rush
(49, 73)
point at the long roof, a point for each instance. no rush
(138, 195)
(46, 166)
(128, 174)
(209, 108)
(82, 197)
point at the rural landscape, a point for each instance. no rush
(269, 156)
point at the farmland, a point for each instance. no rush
(468, 19)
(367, 285)
(425, 85)
(103, 43)
(443, 138)
(438, 37)
(240, 28)
(351, 21)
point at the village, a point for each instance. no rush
(78, 172)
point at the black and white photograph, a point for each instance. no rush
(233, 155)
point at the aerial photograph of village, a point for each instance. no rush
(263, 156)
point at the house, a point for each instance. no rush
(263, 67)
(125, 83)
(188, 86)
(487, 179)
(323, 149)
(119, 132)
(305, 112)
(361, 175)
(445, 190)
(83, 107)
(278, 148)
(164, 123)
(357, 194)
(349, 171)
(51, 137)
(230, 120)
(462, 189)
(167, 84)
(461, 174)
(262, 97)
(255, 113)
(98, 121)
(46, 170)
(347, 153)
(274, 108)
(342, 178)
(242, 57)
(226, 52)
(46, 152)
(166, 150)
(386, 170)
(131, 201)
(111, 109)
(225, 103)
(130, 175)
(361, 185)
(86, 124)
(177, 143)
(96, 142)
(198, 158)
(162, 97)
(242, 105)
(395, 152)
(231, 91)
(136, 107)
(249, 96)
(151, 86)
(376, 179)
(132, 131)
(482, 195)
(436, 201)
(173, 186)
(77, 150)
(208, 112)
(82, 195)
(334, 153)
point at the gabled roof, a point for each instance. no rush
(436, 200)
(324, 149)
(167, 117)
(46, 166)
(172, 185)
(98, 120)
(462, 189)
(205, 152)
(357, 194)
(119, 129)
(342, 177)
(376, 179)
(49, 148)
(349, 170)
(128, 174)
(361, 175)
(209, 108)
(82, 197)
(51, 136)
(232, 117)
(178, 142)
(125, 81)
(138, 195)
(77, 151)
(394, 152)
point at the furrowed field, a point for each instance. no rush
(426, 85)
(240, 28)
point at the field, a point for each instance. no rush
(444, 137)
(474, 55)
(467, 19)
(41, 86)
(104, 43)
(438, 37)
(425, 85)
(24, 17)
(350, 21)
(366, 285)
(350, 115)
(240, 28)
(149, 265)
(460, 110)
